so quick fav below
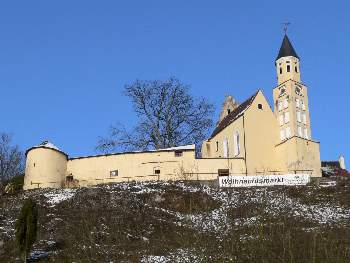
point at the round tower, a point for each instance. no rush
(46, 166)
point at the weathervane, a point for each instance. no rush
(285, 28)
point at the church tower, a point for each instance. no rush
(291, 105)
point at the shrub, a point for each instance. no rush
(26, 227)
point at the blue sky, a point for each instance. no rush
(63, 64)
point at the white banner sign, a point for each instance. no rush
(263, 180)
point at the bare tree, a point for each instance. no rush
(168, 116)
(11, 158)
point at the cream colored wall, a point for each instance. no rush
(227, 133)
(44, 168)
(261, 137)
(300, 155)
(141, 166)
(130, 166)
(236, 166)
(52, 167)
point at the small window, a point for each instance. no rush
(178, 153)
(69, 178)
(217, 146)
(288, 68)
(280, 105)
(157, 171)
(114, 173)
(288, 133)
(300, 132)
(283, 135)
(280, 70)
(223, 172)
(303, 105)
(296, 69)
(304, 118)
(282, 91)
(281, 120)
(34, 164)
(237, 149)
(228, 111)
(298, 116)
(286, 117)
(225, 147)
(260, 106)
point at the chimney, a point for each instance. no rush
(342, 162)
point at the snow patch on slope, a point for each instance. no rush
(57, 196)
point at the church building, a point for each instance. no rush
(270, 140)
(250, 138)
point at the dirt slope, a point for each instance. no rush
(177, 222)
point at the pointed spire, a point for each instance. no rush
(286, 49)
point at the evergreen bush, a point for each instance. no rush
(26, 227)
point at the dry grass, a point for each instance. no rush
(124, 223)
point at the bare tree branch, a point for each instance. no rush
(168, 116)
(11, 158)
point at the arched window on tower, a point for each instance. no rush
(288, 68)
(237, 147)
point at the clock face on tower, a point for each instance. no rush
(282, 91)
(298, 90)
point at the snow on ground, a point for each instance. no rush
(176, 256)
(274, 202)
(57, 196)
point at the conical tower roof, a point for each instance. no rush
(286, 49)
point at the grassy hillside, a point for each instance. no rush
(185, 222)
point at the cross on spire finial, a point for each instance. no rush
(285, 28)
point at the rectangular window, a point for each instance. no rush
(225, 147)
(298, 116)
(304, 118)
(288, 133)
(297, 102)
(303, 105)
(217, 146)
(281, 120)
(178, 153)
(279, 105)
(69, 178)
(285, 103)
(114, 173)
(300, 131)
(288, 68)
(157, 171)
(223, 172)
(283, 135)
(237, 147)
(286, 117)
(306, 135)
